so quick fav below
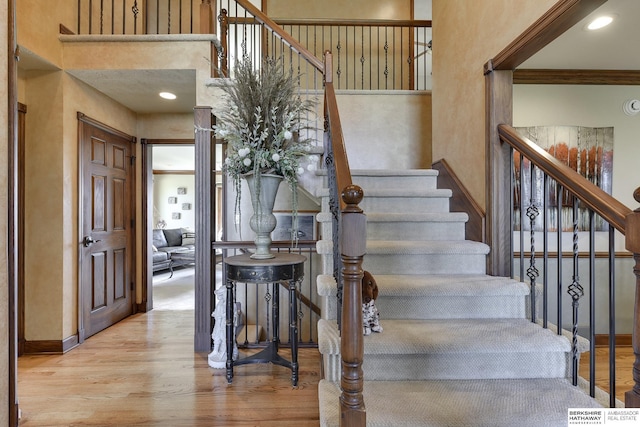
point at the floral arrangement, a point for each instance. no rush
(263, 122)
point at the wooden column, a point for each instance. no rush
(632, 243)
(205, 229)
(498, 174)
(353, 243)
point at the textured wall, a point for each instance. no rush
(466, 34)
(339, 9)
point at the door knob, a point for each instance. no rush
(88, 241)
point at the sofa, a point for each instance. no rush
(172, 247)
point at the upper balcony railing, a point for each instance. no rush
(367, 55)
(139, 16)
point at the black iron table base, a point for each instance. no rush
(284, 268)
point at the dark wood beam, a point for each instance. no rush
(564, 15)
(576, 77)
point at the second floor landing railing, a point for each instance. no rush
(547, 187)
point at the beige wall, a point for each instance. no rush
(466, 34)
(38, 26)
(340, 9)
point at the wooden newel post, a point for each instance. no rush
(632, 243)
(353, 242)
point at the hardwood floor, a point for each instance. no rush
(143, 372)
(624, 366)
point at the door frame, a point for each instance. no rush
(84, 120)
(147, 215)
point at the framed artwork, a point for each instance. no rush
(182, 190)
(173, 200)
(176, 215)
(306, 228)
(186, 206)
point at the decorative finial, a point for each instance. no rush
(352, 196)
(636, 194)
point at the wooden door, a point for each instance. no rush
(106, 236)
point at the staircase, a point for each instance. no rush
(457, 347)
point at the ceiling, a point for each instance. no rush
(614, 47)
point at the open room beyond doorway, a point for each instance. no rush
(170, 219)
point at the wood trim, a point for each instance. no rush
(86, 119)
(462, 201)
(204, 222)
(65, 30)
(577, 77)
(562, 16)
(12, 52)
(146, 303)
(622, 340)
(20, 310)
(173, 172)
(499, 109)
(51, 346)
(337, 22)
(170, 141)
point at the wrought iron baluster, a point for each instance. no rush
(592, 304)
(612, 318)
(386, 59)
(101, 16)
(135, 11)
(532, 214)
(559, 191)
(362, 58)
(576, 291)
(545, 250)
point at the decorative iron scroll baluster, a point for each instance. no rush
(267, 298)
(532, 214)
(386, 60)
(339, 48)
(169, 17)
(576, 291)
(135, 11)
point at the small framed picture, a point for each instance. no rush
(173, 200)
(175, 215)
(186, 206)
(182, 190)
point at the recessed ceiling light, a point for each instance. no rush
(599, 22)
(167, 95)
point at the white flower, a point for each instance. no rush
(287, 135)
(247, 161)
(227, 161)
(275, 157)
(300, 170)
(243, 152)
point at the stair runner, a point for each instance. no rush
(457, 348)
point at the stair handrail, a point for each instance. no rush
(351, 233)
(282, 34)
(596, 199)
(609, 208)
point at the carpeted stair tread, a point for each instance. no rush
(461, 285)
(455, 336)
(401, 192)
(440, 247)
(418, 217)
(461, 403)
(393, 172)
